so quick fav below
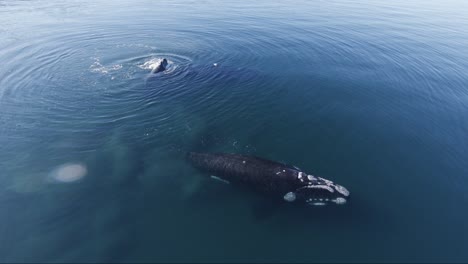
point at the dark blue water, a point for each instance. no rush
(370, 94)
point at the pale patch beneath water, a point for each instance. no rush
(69, 172)
(290, 197)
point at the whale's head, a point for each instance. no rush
(164, 62)
(317, 191)
(161, 66)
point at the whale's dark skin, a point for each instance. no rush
(277, 180)
(161, 67)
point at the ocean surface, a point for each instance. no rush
(370, 94)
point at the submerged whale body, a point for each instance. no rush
(275, 179)
(161, 66)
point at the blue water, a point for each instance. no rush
(370, 94)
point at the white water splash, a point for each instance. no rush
(99, 68)
(153, 63)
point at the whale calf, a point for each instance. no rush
(161, 66)
(280, 181)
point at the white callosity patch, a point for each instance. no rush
(321, 183)
(290, 197)
(342, 190)
(317, 199)
(311, 178)
(327, 182)
(304, 177)
(219, 179)
(300, 175)
(328, 188)
(318, 203)
(339, 200)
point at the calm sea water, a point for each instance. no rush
(370, 94)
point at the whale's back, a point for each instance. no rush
(260, 173)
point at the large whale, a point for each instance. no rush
(275, 179)
(161, 66)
